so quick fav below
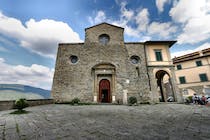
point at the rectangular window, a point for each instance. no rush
(203, 77)
(182, 80)
(198, 63)
(179, 67)
(158, 55)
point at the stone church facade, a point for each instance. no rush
(106, 69)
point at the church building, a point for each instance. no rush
(105, 69)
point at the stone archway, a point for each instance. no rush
(104, 91)
(164, 85)
(104, 82)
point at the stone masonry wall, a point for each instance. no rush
(139, 82)
(77, 80)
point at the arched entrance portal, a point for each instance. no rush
(104, 91)
(164, 86)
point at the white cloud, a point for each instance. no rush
(196, 30)
(100, 17)
(180, 53)
(161, 29)
(184, 10)
(140, 23)
(131, 31)
(160, 4)
(195, 18)
(142, 19)
(128, 29)
(145, 38)
(34, 75)
(126, 16)
(125, 13)
(41, 37)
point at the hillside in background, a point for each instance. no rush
(16, 91)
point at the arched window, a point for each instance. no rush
(134, 59)
(104, 39)
(73, 59)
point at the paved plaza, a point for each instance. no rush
(108, 122)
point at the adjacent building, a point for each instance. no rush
(193, 72)
(106, 69)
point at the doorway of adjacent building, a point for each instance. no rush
(104, 91)
(165, 86)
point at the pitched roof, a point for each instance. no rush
(102, 24)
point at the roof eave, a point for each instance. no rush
(169, 42)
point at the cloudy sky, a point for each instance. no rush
(31, 29)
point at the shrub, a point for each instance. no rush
(132, 100)
(190, 98)
(75, 101)
(20, 104)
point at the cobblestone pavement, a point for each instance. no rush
(104, 122)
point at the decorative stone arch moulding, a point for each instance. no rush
(106, 71)
(102, 65)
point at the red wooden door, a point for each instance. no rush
(104, 91)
